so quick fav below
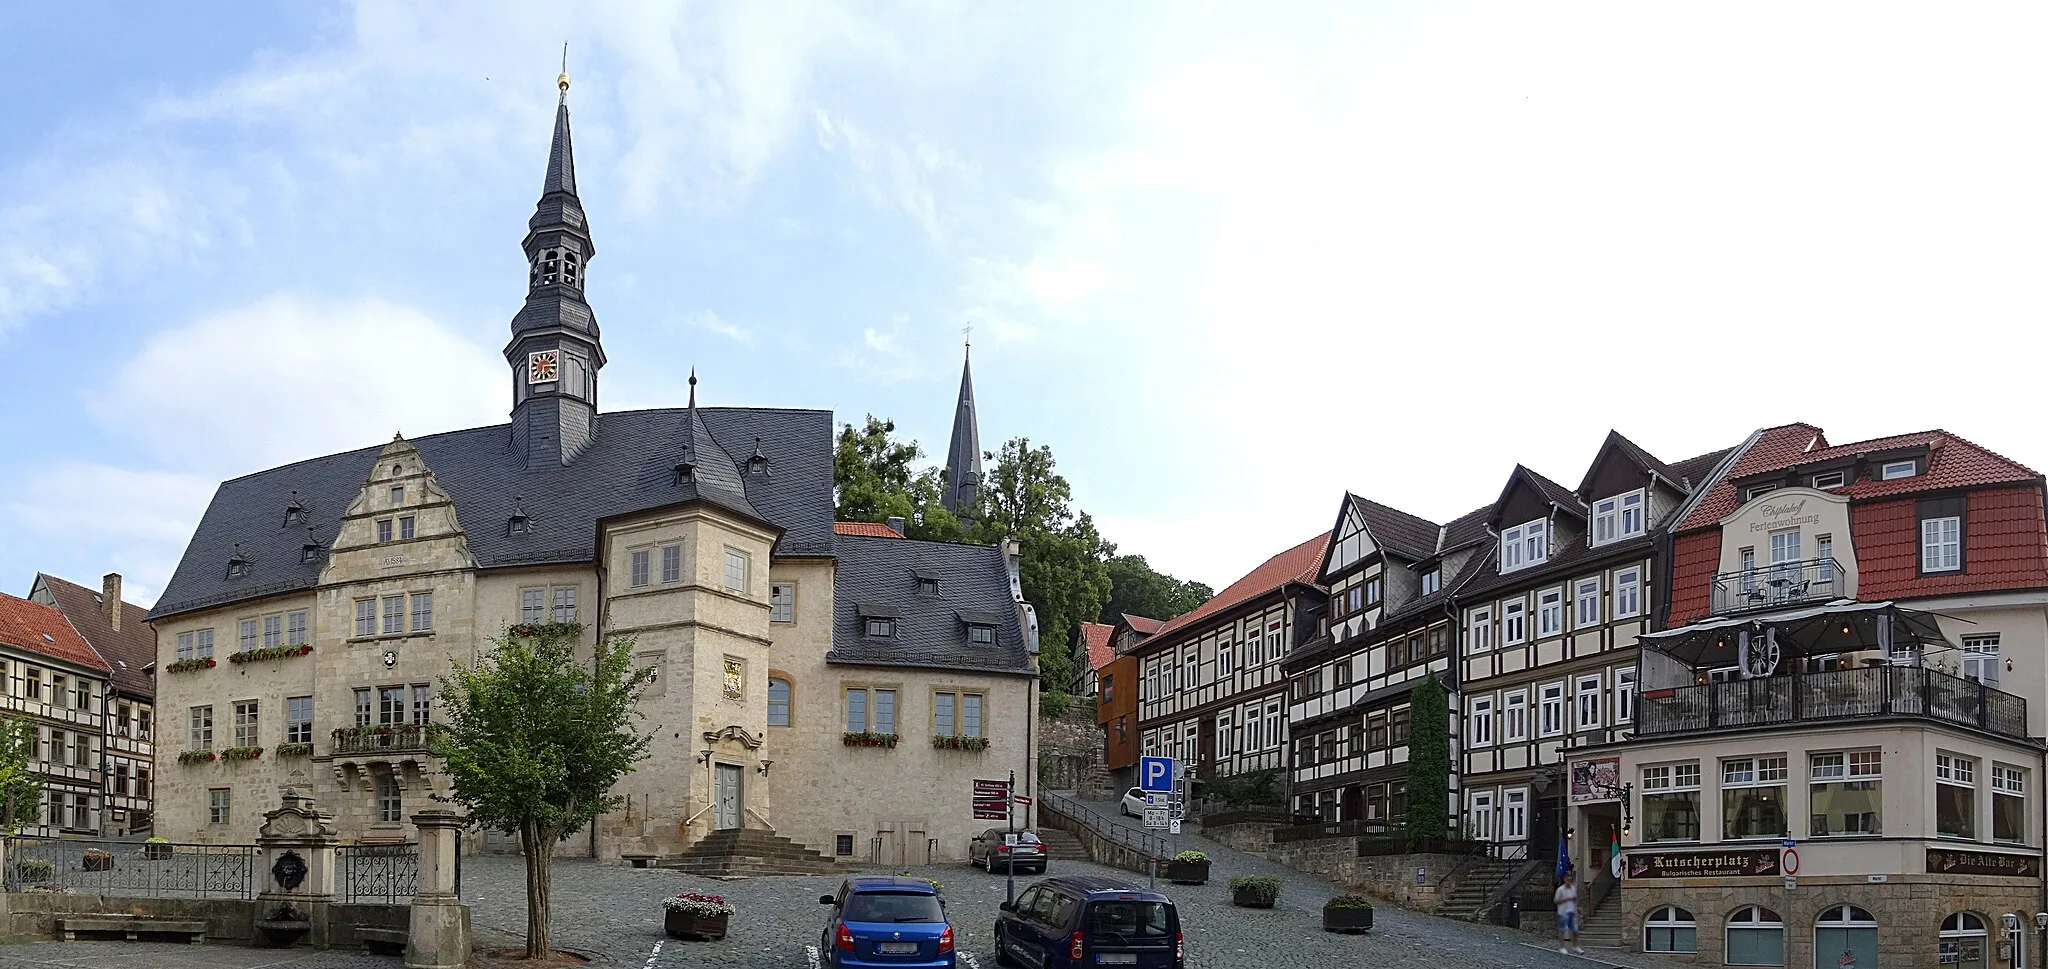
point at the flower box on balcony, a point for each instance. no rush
(868, 738)
(268, 652)
(241, 753)
(531, 630)
(950, 742)
(197, 757)
(295, 750)
(188, 665)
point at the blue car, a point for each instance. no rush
(1075, 921)
(887, 921)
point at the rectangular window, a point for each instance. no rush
(1514, 817)
(1193, 664)
(782, 602)
(1479, 631)
(970, 714)
(565, 604)
(1625, 695)
(1634, 521)
(184, 647)
(1832, 479)
(1955, 796)
(217, 805)
(142, 727)
(1432, 580)
(1753, 798)
(1223, 748)
(203, 643)
(422, 611)
(1223, 658)
(1589, 689)
(885, 711)
(422, 704)
(394, 614)
(1550, 612)
(202, 728)
(398, 494)
(1898, 469)
(1481, 721)
(1628, 599)
(1606, 521)
(141, 781)
(405, 528)
(362, 695)
(383, 530)
(1586, 603)
(247, 639)
(778, 703)
(1274, 737)
(1253, 738)
(856, 711)
(1941, 544)
(273, 631)
(295, 628)
(1511, 550)
(1846, 796)
(1550, 710)
(1671, 803)
(636, 568)
(1980, 659)
(1273, 649)
(2008, 804)
(121, 779)
(246, 731)
(1514, 719)
(390, 807)
(942, 714)
(842, 845)
(391, 706)
(1372, 592)
(298, 720)
(671, 563)
(981, 635)
(1514, 622)
(735, 570)
(532, 606)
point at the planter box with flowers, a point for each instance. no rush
(937, 888)
(1348, 913)
(868, 738)
(188, 665)
(34, 870)
(1188, 868)
(197, 757)
(241, 753)
(949, 742)
(268, 652)
(156, 849)
(1254, 891)
(295, 750)
(98, 860)
(533, 630)
(694, 916)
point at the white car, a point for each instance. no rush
(1134, 803)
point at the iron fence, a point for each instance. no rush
(131, 869)
(1851, 694)
(388, 873)
(1110, 831)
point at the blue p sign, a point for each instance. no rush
(1155, 774)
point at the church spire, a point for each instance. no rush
(555, 351)
(963, 456)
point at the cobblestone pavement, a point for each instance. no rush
(171, 955)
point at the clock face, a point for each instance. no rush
(543, 366)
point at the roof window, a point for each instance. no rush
(238, 566)
(294, 513)
(519, 524)
(758, 462)
(1898, 469)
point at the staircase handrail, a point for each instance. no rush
(1507, 885)
(1117, 834)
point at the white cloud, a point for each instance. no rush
(711, 322)
(882, 355)
(89, 518)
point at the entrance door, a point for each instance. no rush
(727, 793)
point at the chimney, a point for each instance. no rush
(897, 524)
(110, 599)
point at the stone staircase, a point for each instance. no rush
(746, 851)
(1481, 889)
(1061, 845)
(1602, 929)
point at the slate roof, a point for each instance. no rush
(127, 651)
(1410, 536)
(40, 629)
(931, 631)
(1095, 636)
(1692, 472)
(963, 452)
(870, 529)
(629, 467)
(1466, 529)
(1297, 564)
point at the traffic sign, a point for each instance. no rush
(1173, 826)
(1155, 817)
(1155, 774)
(1021, 799)
(1151, 800)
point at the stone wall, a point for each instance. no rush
(34, 915)
(1070, 753)
(1388, 877)
(1253, 836)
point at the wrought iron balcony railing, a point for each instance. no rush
(1853, 694)
(1783, 584)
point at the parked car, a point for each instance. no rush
(1134, 803)
(891, 920)
(1070, 921)
(1016, 851)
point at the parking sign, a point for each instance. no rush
(1155, 774)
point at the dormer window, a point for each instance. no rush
(758, 463)
(294, 513)
(686, 470)
(238, 566)
(1898, 469)
(1432, 581)
(1524, 545)
(1832, 479)
(518, 524)
(1754, 491)
(1619, 517)
(927, 584)
(310, 552)
(981, 635)
(881, 628)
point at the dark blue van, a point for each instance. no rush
(889, 921)
(1073, 921)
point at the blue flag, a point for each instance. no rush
(1564, 855)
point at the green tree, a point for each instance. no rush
(534, 740)
(1135, 588)
(1429, 761)
(21, 792)
(874, 480)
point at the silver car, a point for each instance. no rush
(1017, 851)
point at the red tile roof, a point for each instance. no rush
(869, 529)
(1096, 636)
(1143, 626)
(1297, 564)
(2005, 542)
(42, 629)
(129, 650)
(1953, 463)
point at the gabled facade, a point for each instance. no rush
(1092, 651)
(118, 632)
(1389, 623)
(1854, 664)
(56, 682)
(1213, 695)
(1548, 634)
(1116, 702)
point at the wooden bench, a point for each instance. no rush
(131, 927)
(382, 941)
(638, 860)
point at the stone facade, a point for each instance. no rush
(1908, 909)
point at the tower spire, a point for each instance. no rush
(555, 352)
(963, 455)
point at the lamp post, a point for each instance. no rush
(1010, 819)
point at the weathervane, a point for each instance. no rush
(563, 81)
(968, 332)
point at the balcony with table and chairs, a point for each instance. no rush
(1780, 585)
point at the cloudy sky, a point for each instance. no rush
(1228, 261)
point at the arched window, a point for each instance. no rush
(569, 264)
(778, 702)
(1670, 929)
(1844, 936)
(1963, 941)
(1756, 937)
(550, 266)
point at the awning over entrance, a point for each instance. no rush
(1841, 626)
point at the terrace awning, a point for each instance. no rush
(1841, 626)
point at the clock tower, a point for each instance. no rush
(555, 353)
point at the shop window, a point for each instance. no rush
(1963, 941)
(1753, 798)
(1955, 796)
(1671, 802)
(1670, 929)
(1844, 936)
(1756, 937)
(1845, 796)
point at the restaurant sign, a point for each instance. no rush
(1598, 779)
(1703, 864)
(1947, 861)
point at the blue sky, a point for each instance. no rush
(1228, 261)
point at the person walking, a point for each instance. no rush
(1567, 900)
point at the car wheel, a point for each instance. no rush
(1002, 949)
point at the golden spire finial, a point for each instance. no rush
(563, 81)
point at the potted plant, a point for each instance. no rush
(1188, 868)
(694, 916)
(98, 860)
(1349, 912)
(1254, 891)
(937, 888)
(156, 849)
(32, 870)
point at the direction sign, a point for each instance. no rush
(1021, 799)
(1155, 817)
(1155, 774)
(991, 800)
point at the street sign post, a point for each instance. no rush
(1156, 817)
(991, 800)
(1155, 774)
